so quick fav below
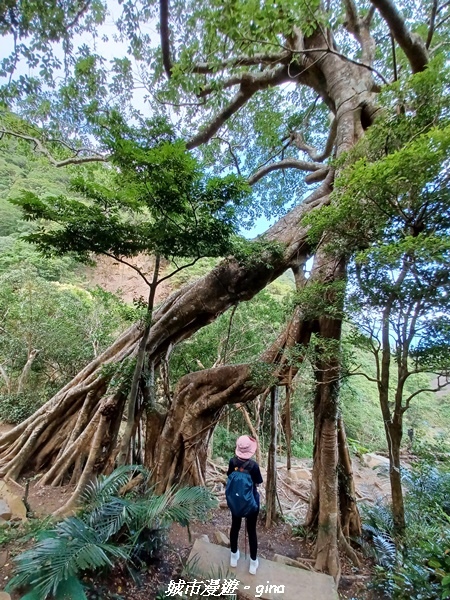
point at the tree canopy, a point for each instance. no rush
(284, 95)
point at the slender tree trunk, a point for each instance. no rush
(286, 421)
(394, 434)
(32, 355)
(271, 483)
(258, 427)
(350, 519)
(124, 449)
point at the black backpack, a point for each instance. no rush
(239, 492)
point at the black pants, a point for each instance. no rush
(251, 530)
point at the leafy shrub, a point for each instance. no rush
(110, 528)
(15, 408)
(416, 566)
(224, 442)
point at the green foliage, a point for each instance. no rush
(321, 299)
(155, 200)
(394, 172)
(253, 253)
(234, 337)
(18, 533)
(58, 327)
(262, 374)
(224, 442)
(15, 408)
(417, 566)
(110, 528)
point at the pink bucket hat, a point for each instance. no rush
(246, 447)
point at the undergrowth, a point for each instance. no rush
(415, 566)
(113, 527)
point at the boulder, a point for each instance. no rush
(17, 508)
(299, 475)
(290, 562)
(222, 539)
(374, 461)
(5, 510)
(5, 596)
(203, 537)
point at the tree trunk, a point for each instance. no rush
(271, 483)
(394, 435)
(187, 310)
(324, 510)
(140, 358)
(286, 421)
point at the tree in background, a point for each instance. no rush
(155, 200)
(393, 217)
(49, 331)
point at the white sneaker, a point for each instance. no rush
(234, 558)
(254, 564)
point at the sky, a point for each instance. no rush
(107, 45)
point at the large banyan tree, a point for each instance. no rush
(274, 91)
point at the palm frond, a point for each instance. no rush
(109, 518)
(102, 488)
(190, 503)
(71, 547)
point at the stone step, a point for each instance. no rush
(272, 581)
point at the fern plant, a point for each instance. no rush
(416, 566)
(110, 528)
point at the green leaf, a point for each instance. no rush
(33, 595)
(70, 589)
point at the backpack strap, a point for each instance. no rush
(243, 468)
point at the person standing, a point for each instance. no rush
(242, 496)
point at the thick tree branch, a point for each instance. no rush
(431, 28)
(287, 163)
(368, 18)
(439, 386)
(317, 176)
(258, 81)
(351, 11)
(250, 84)
(39, 147)
(312, 152)
(360, 28)
(241, 61)
(213, 127)
(165, 36)
(411, 44)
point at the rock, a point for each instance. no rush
(5, 510)
(299, 475)
(203, 537)
(222, 539)
(3, 558)
(219, 460)
(374, 461)
(288, 527)
(3, 523)
(290, 562)
(16, 506)
(5, 596)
